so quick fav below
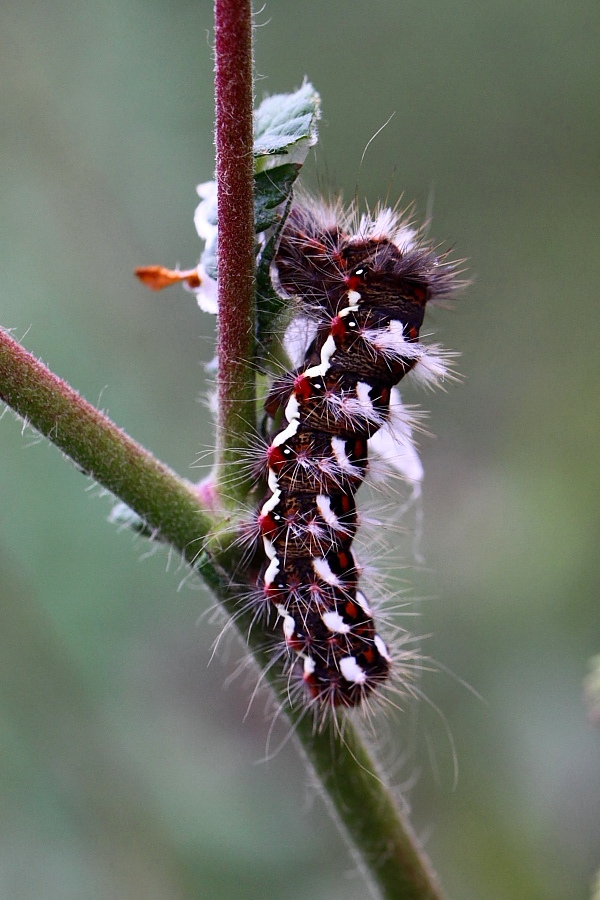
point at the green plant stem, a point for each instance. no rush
(380, 835)
(354, 789)
(100, 449)
(235, 251)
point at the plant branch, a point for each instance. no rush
(235, 249)
(99, 448)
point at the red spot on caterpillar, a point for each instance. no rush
(344, 560)
(354, 282)
(338, 328)
(302, 387)
(346, 503)
(351, 610)
(359, 448)
(419, 294)
(275, 457)
(272, 594)
(369, 655)
(266, 524)
(313, 685)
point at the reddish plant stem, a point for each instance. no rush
(235, 173)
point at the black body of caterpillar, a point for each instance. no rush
(365, 293)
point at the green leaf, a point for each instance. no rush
(272, 188)
(285, 127)
(269, 303)
(272, 199)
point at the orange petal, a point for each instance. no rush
(159, 277)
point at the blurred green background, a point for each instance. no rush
(127, 769)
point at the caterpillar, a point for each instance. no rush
(362, 289)
(361, 286)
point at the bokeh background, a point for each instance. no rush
(127, 768)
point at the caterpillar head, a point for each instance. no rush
(321, 257)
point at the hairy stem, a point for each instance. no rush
(236, 326)
(99, 448)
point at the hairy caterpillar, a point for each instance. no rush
(361, 287)
(362, 293)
